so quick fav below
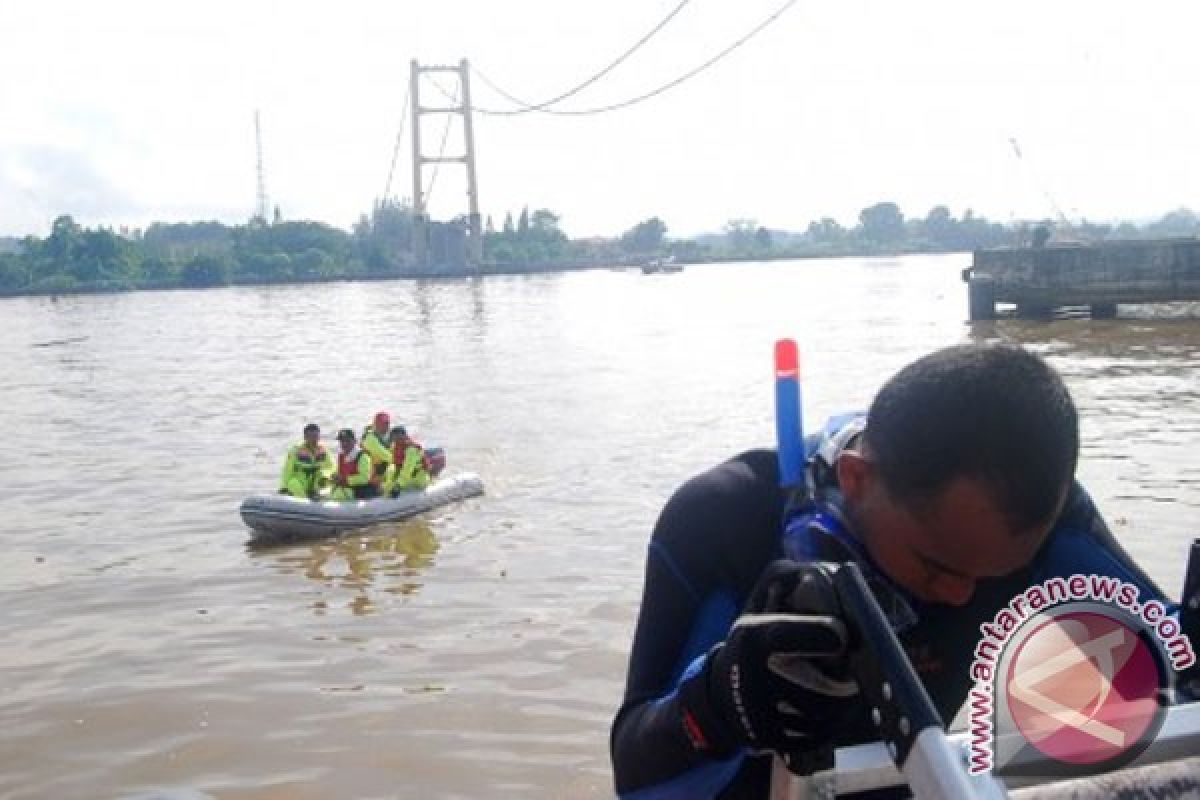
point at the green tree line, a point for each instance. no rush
(385, 243)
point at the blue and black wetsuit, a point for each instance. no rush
(710, 544)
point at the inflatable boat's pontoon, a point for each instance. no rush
(276, 516)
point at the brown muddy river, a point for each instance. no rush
(480, 650)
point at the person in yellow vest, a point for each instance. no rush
(354, 479)
(375, 441)
(308, 466)
(412, 465)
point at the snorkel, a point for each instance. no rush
(789, 423)
(815, 528)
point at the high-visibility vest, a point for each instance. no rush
(348, 465)
(309, 460)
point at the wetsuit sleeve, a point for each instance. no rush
(708, 546)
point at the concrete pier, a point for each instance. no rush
(1038, 280)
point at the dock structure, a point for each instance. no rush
(1038, 280)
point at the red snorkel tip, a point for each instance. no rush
(787, 359)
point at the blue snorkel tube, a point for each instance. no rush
(789, 423)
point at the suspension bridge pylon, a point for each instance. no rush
(463, 107)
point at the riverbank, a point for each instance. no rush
(453, 272)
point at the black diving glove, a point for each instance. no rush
(779, 682)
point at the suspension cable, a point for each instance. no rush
(642, 97)
(387, 189)
(525, 107)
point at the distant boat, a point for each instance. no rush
(656, 265)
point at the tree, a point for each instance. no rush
(739, 234)
(297, 237)
(976, 232)
(63, 241)
(543, 240)
(1180, 222)
(544, 221)
(499, 250)
(762, 239)
(180, 242)
(827, 231)
(523, 224)
(645, 237)
(158, 272)
(205, 270)
(12, 273)
(384, 241)
(882, 223)
(940, 228)
(100, 255)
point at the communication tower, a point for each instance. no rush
(260, 212)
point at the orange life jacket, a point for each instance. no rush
(348, 465)
(398, 449)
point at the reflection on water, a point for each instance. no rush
(385, 558)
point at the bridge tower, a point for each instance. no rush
(463, 108)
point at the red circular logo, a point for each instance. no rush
(1083, 688)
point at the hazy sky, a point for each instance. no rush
(124, 112)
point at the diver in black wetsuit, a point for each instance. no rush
(955, 493)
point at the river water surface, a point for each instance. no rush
(480, 650)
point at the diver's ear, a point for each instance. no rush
(854, 473)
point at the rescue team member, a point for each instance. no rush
(308, 466)
(375, 441)
(954, 493)
(354, 479)
(412, 463)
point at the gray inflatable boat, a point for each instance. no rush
(275, 516)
